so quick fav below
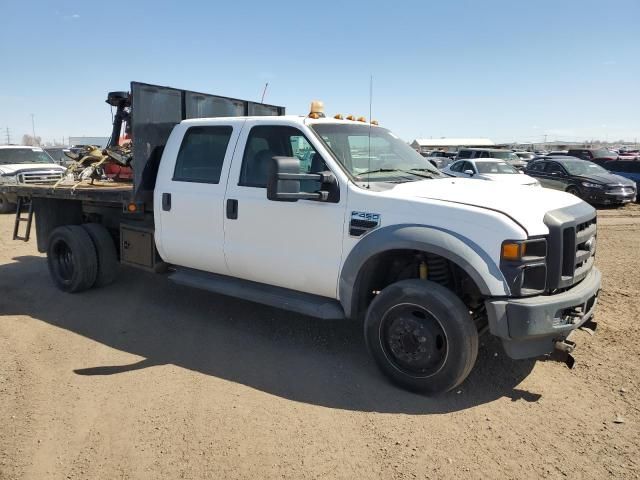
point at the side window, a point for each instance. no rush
(553, 167)
(483, 154)
(266, 142)
(464, 154)
(536, 166)
(468, 166)
(456, 166)
(202, 154)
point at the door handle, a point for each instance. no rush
(232, 208)
(166, 202)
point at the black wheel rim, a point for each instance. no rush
(63, 261)
(413, 340)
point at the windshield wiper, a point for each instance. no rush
(380, 170)
(422, 173)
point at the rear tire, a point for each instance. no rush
(5, 205)
(421, 336)
(106, 254)
(72, 259)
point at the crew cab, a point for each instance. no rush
(335, 219)
(25, 165)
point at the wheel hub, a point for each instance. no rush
(415, 339)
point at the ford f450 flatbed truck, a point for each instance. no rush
(335, 219)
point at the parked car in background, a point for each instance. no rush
(490, 169)
(597, 155)
(58, 154)
(556, 153)
(25, 165)
(440, 159)
(497, 153)
(525, 156)
(582, 178)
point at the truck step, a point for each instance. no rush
(20, 209)
(292, 300)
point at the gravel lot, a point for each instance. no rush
(145, 379)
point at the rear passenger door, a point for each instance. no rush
(189, 196)
(556, 176)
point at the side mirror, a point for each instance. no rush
(469, 172)
(283, 182)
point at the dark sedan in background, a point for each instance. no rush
(584, 179)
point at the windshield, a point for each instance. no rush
(379, 158)
(505, 156)
(494, 167)
(603, 152)
(23, 155)
(583, 167)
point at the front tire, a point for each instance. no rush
(72, 259)
(5, 205)
(421, 336)
(574, 191)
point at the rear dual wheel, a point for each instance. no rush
(81, 257)
(421, 336)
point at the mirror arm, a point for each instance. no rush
(321, 195)
(320, 177)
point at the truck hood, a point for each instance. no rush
(526, 205)
(508, 179)
(13, 168)
(607, 179)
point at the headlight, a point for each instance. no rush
(524, 266)
(9, 179)
(592, 185)
(522, 250)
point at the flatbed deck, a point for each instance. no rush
(107, 192)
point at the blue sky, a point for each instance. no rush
(508, 70)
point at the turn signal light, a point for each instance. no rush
(513, 251)
(132, 207)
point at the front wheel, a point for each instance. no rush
(574, 191)
(421, 336)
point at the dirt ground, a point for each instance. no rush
(147, 380)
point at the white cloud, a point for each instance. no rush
(75, 15)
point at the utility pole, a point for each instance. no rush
(8, 135)
(33, 127)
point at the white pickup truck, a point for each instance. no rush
(337, 219)
(24, 165)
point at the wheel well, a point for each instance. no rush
(392, 266)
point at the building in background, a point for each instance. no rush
(98, 141)
(424, 145)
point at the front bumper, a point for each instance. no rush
(609, 197)
(529, 327)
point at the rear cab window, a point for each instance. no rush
(202, 153)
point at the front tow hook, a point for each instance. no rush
(562, 352)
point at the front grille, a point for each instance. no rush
(571, 245)
(39, 177)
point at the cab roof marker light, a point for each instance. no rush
(351, 117)
(362, 119)
(338, 116)
(317, 109)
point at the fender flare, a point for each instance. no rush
(460, 250)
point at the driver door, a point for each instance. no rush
(296, 245)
